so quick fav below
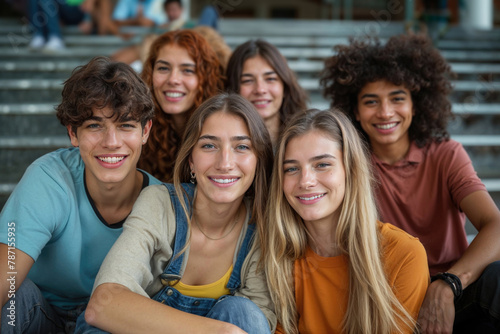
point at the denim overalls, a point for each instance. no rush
(168, 294)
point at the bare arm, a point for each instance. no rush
(13, 261)
(485, 249)
(88, 6)
(138, 21)
(115, 308)
(126, 55)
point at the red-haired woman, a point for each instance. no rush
(182, 71)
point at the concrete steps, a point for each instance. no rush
(31, 83)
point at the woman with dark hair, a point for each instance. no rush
(396, 94)
(259, 72)
(182, 71)
(186, 260)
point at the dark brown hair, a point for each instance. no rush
(294, 97)
(159, 153)
(104, 83)
(406, 60)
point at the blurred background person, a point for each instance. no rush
(46, 16)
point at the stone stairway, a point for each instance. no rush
(31, 83)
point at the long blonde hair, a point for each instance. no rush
(372, 305)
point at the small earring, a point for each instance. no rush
(193, 178)
(144, 141)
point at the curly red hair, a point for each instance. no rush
(159, 154)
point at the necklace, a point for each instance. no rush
(225, 235)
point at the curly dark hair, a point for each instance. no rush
(104, 83)
(159, 153)
(404, 60)
(294, 96)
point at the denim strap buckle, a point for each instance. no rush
(169, 279)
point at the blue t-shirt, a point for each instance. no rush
(152, 9)
(57, 225)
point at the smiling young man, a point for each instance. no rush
(397, 96)
(69, 207)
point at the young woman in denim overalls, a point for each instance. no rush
(185, 262)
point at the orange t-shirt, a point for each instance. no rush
(322, 283)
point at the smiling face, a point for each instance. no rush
(261, 85)
(385, 112)
(314, 177)
(173, 11)
(110, 148)
(175, 83)
(223, 159)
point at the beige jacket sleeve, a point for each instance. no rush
(254, 287)
(143, 249)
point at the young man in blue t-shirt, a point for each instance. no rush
(69, 207)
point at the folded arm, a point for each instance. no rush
(438, 310)
(115, 308)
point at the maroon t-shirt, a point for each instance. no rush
(421, 194)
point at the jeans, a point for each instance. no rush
(478, 310)
(209, 17)
(34, 314)
(241, 312)
(45, 15)
(238, 311)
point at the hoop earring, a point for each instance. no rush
(193, 178)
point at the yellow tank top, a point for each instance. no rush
(213, 290)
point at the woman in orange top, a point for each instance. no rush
(352, 274)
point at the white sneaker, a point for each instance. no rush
(37, 43)
(137, 66)
(54, 44)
